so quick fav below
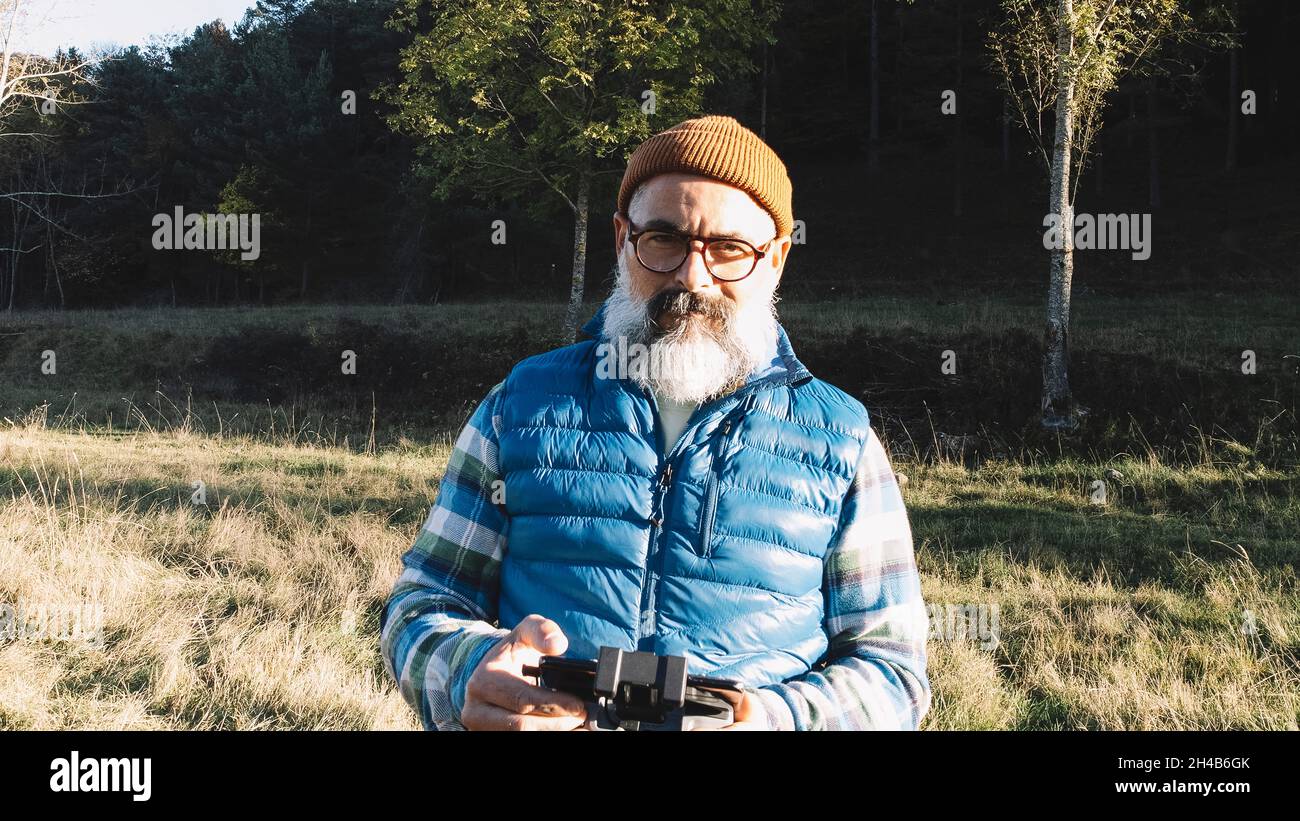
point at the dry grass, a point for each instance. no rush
(260, 609)
(1176, 605)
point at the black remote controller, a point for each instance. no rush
(627, 690)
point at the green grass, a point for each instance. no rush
(1113, 616)
(1190, 328)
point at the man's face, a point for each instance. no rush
(697, 205)
(708, 334)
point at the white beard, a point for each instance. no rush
(692, 362)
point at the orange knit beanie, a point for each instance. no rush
(717, 147)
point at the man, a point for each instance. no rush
(678, 483)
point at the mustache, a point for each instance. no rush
(682, 303)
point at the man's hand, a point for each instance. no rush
(750, 715)
(499, 697)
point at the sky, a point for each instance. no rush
(90, 23)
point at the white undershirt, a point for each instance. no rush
(673, 417)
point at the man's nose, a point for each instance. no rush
(693, 274)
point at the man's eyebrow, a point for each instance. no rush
(668, 225)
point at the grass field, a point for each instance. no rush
(1174, 605)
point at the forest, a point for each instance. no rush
(379, 178)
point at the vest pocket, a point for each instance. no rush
(729, 431)
(710, 511)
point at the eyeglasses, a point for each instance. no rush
(726, 258)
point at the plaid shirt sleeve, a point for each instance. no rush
(875, 666)
(441, 616)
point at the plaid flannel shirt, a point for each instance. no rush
(439, 622)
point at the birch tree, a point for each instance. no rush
(1062, 57)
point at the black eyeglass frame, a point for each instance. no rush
(633, 236)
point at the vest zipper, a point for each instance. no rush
(647, 617)
(654, 555)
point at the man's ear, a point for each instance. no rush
(780, 251)
(620, 232)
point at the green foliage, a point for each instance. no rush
(1109, 40)
(508, 98)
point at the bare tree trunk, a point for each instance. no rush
(45, 283)
(1132, 121)
(577, 283)
(762, 116)
(1006, 134)
(49, 256)
(1234, 100)
(8, 285)
(957, 141)
(407, 259)
(21, 217)
(1058, 403)
(1153, 147)
(306, 257)
(514, 265)
(873, 134)
(54, 265)
(13, 281)
(898, 74)
(1099, 167)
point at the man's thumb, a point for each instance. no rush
(543, 635)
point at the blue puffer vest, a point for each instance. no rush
(713, 551)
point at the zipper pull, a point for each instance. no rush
(656, 517)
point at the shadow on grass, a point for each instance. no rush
(148, 496)
(1131, 547)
